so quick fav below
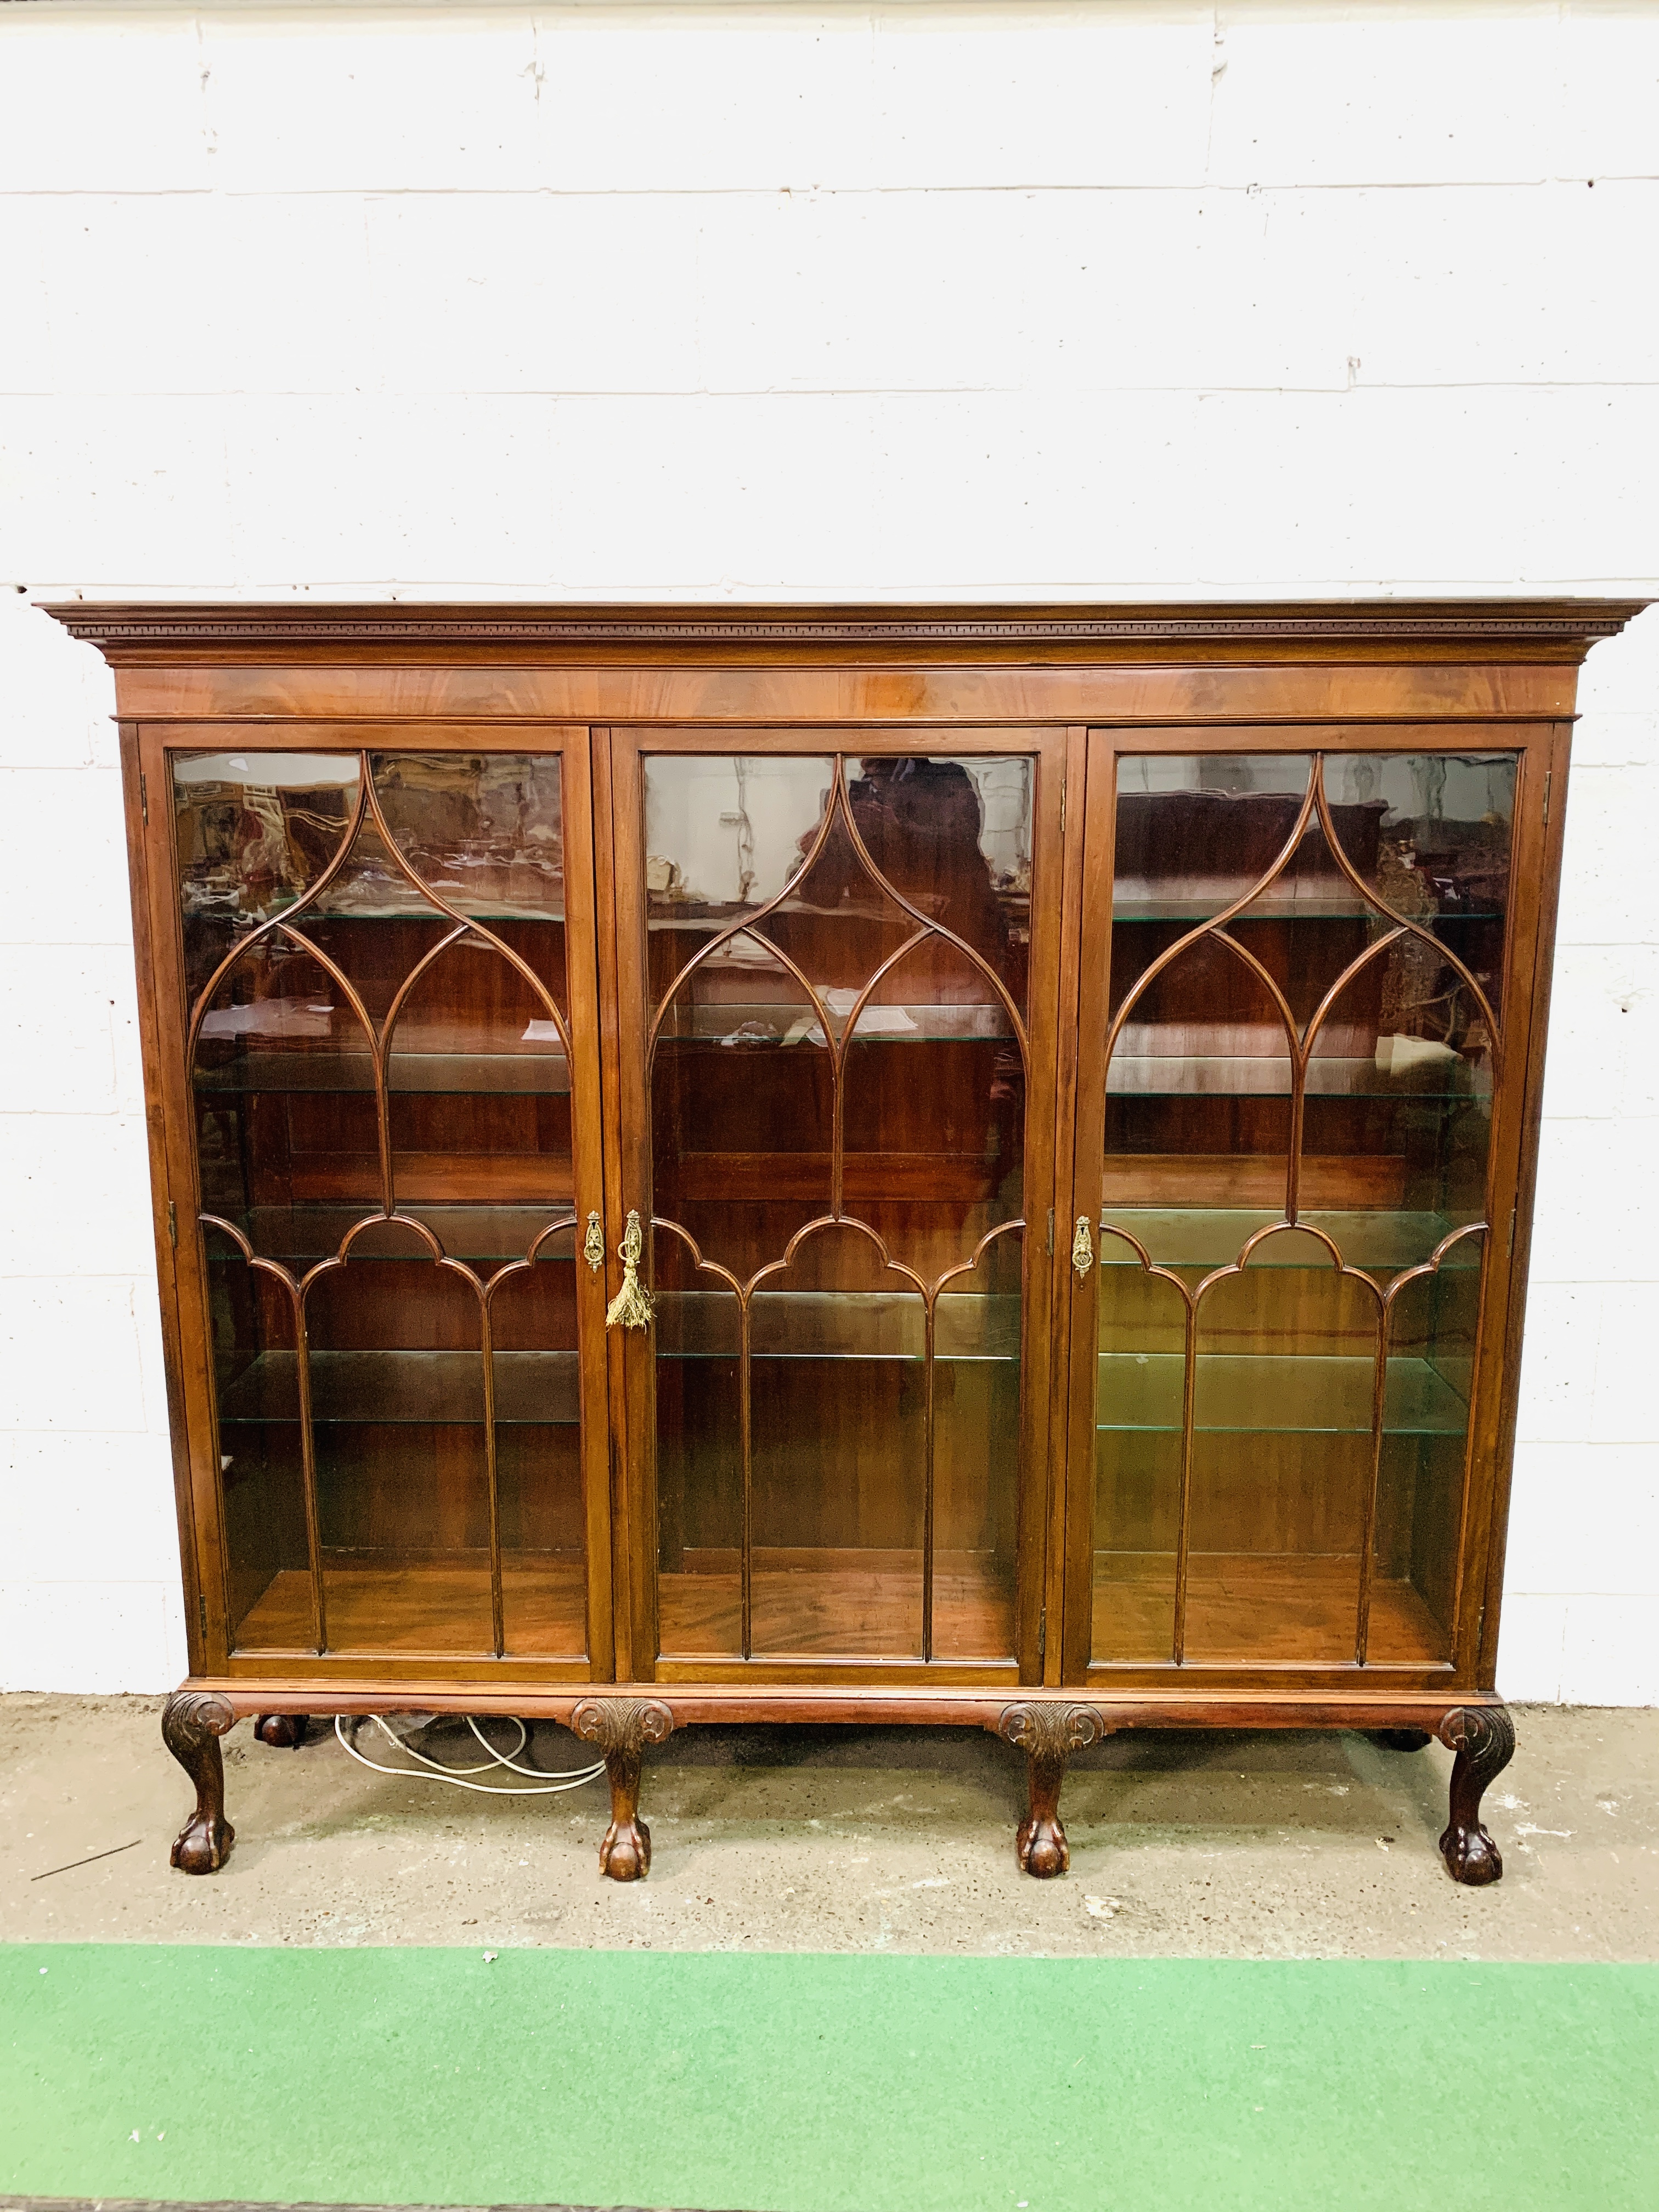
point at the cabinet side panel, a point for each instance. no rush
(1547, 834)
(163, 994)
(136, 794)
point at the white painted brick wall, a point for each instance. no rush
(754, 300)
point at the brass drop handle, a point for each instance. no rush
(631, 1307)
(1083, 1247)
(593, 1244)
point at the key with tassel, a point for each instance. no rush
(631, 1307)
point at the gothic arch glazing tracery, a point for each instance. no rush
(838, 1072)
(1303, 1046)
(379, 1048)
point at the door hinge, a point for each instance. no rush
(201, 1615)
(1548, 776)
(1062, 806)
(143, 798)
(1043, 1635)
(1051, 1232)
(1509, 1248)
(173, 1225)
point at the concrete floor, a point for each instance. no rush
(1276, 1845)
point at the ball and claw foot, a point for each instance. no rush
(193, 1721)
(621, 1727)
(1483, 1736)
(625, 1851)
(1047, 1735)
(1042, 1848)
(284, 1731)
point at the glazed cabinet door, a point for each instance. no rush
(1307, 973)
(376, 1005)
(836, 972)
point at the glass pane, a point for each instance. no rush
(976, 1455)
(699, 1340)
(1320, 1065)
(1195, 832)
(933, 1110)
(837, 1406)
(1432, 1330)
(397, 1040)
(837, 960)
(403, 1483)
(1437, 851)
(742, 1103)
(253, 832)
(484, 830)
(1198, 1091)
(1281, 1457)
(283, 1082)
(953, 838)
(539, 1466)
(261, 1467)
(1138, 1412)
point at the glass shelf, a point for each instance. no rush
(756, 1024)
(466, 1232)
(837, 1325)
(1219, 1076)
(297, 1070)
(1285, 1394)
(423, 1388)
(197, 904)
(1194, 909)
(1213, 1236)
(704, 918)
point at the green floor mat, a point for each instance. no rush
(795, 2082)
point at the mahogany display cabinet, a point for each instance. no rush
(918, 1164)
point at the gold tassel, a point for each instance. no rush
(631, 1307)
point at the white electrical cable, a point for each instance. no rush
(458, 1775)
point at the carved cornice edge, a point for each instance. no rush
(888, 631)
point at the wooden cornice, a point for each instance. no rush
(1558, 630)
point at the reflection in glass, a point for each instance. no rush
(1305, 966)
(253, 832)
(837, 955)
(483, 831)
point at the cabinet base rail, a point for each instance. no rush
(1048, 1725)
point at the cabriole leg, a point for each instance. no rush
(284, 1731)
(193, 1721)
(1047, 1735)
(1483, 1736)
(621, 1727)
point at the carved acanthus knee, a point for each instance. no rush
(621, 1727)
(192, 1720)
(1483, 1736)
(1047, 1735)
